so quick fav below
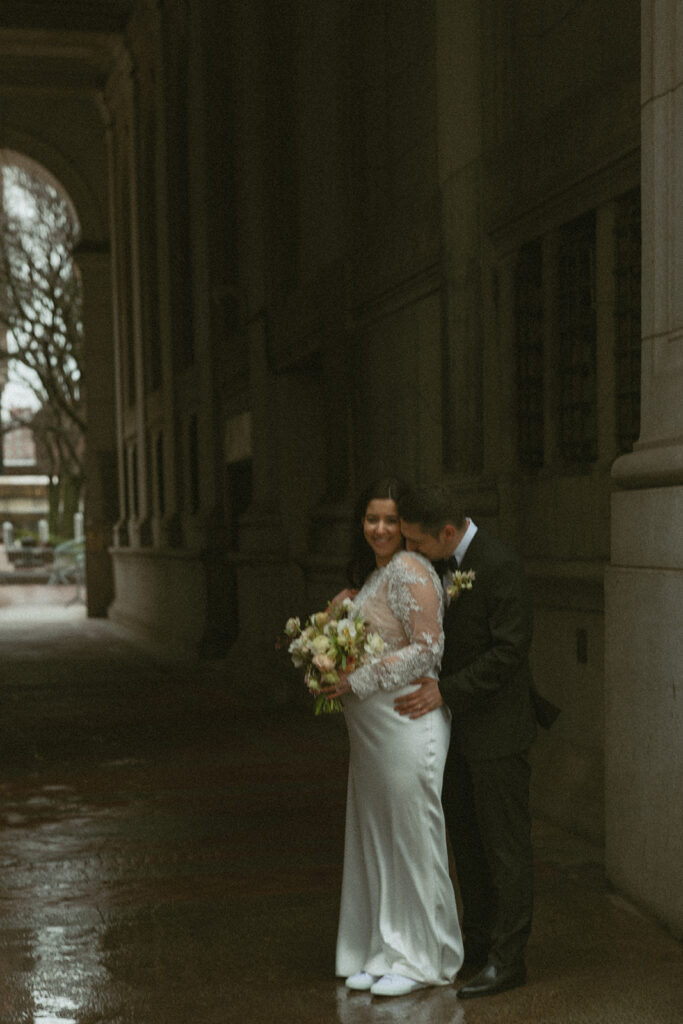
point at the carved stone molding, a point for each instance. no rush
(656, 466)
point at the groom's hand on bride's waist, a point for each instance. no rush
(425, 698)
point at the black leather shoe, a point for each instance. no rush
(474, 961)
(493, 979)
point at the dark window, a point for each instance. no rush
(134, 480)
(529, 338)
(159, 468)
(627, 318)
(239, 496)
(576, 323)
(193, 459)
(127, 311)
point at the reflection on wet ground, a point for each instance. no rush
(165, 860)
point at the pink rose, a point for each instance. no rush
(323, 662)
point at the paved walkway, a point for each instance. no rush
(164, 860)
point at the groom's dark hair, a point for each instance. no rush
(432, 507)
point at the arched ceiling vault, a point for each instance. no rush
(67, 15)
(53, 68)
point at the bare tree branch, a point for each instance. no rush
(41, 310)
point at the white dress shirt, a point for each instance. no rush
(465, 542)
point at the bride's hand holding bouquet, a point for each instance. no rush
(329, 647)
(332, 691)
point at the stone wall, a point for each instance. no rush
(412, 232)
(358, 236)
(644, 737)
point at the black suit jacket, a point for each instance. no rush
(485, 675)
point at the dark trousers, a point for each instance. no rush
(486, 807)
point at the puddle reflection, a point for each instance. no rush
(427, 1006)
(66, 974)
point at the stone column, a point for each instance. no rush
(140, 525)
(644, 585)
(115, 106)
(166, 523)
(268, 585)
(120, 102)
(459, 99)
(3, 363)
(101, 498)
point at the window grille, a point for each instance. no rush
(576, 321)
(135, 485)
(627, 318)
(529, 338)
(193, 459)
(159, 467)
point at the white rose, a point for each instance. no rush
(296, 650)
(374, 645)
(346, 631)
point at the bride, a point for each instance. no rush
(398, 925)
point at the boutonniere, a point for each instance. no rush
(460, 581)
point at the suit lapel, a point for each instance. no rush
(459, 607)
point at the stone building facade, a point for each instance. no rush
(328, 239)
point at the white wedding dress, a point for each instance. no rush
(398, 912)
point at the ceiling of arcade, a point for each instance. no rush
(54, 61)
(66, 15)
(66, 45)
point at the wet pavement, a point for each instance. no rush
(168, 859)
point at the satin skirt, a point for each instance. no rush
(398, 912)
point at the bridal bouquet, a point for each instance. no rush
(336, 639)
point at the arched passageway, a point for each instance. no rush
(347, 243)
(51, 121)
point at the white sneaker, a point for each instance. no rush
(395, 985)
(362, 981)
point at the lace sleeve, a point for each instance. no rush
(415, 598)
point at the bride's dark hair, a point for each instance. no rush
(362, 561)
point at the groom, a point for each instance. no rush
(486, 682)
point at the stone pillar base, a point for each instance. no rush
(644, 700)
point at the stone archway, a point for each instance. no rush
(52, 117)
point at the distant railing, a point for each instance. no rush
(30, 556)
(68, 565)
